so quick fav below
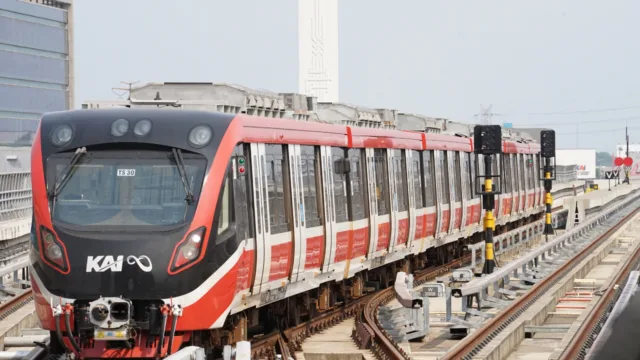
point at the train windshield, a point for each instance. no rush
(125, 188)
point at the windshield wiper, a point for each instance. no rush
(65, 174)
(177, 156)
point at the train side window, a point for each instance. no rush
(224, 204)
(507, 173)
(277, 188)
(418, 179)
(400, 171)
(382, 181)
(472, 174)
(339, 185)
(514, 172)
(523, 177)
(356, 185)
(536, 169)
(429, 178)
(310, 183)
(531, 168)
(444, 175)
(243, 217)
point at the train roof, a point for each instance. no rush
(237, 99)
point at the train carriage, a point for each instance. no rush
(180, 227)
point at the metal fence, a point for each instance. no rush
(15, 205)
(566, 173)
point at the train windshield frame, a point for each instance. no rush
(125, 190)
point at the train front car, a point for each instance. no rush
(125, 238)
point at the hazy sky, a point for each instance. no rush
(437, 58)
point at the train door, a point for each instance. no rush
(243, 215)
(380, 199)
(416, 199)
(536, 181)
(431, 211)
(399, 197)
(443, 185)
(458, 204)
(260, 211)
(276, 209)
(336, 171)
(516, 184)
(358, 210)
(498, 198)
(329, 211)
(467, 195)
(523, 183)
(309, 242)
(506, 201)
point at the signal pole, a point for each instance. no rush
(548, 152)
(487, 141)
(626, 172)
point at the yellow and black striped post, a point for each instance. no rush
(489, 221)
(548, 199)
(487, 141)
(548, 152)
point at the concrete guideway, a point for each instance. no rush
(502, 334)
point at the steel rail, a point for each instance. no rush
(576, 346)
(470, 346)
(382, 345)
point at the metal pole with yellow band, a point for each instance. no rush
(487, 141)
(548, 153)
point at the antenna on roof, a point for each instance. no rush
(125, 89)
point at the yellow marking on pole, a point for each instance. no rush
(489, 221)
(489, 250)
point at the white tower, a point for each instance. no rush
(318, 49)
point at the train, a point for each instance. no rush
(155, 228)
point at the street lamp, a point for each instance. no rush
(487, 142)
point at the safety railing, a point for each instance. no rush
(15, 204)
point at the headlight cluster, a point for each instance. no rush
(199, 136)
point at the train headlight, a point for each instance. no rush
(188, 250)
(200, 136)
(142, 127)
(119, 127)
(62, 135)
(53, 251)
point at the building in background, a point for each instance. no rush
(318, 49)
(583, 159)
(36, 65)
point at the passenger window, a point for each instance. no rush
(507, 173)
(310, 185)
(472, 174)
(256, 188)
(523, 178)
(241, 190)
(400, 170)
(456, 176)
(444, 176)
(356, 185)
(225, 206)
(339, 185)
(429, 178)
(418, 179)
(277, 188)
(382, 181)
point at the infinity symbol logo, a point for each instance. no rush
(139, 261)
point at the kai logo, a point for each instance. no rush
(103, 263)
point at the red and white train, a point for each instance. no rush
(283, 219)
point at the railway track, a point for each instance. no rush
(582, 342)
(473, 343)
(287, 342)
